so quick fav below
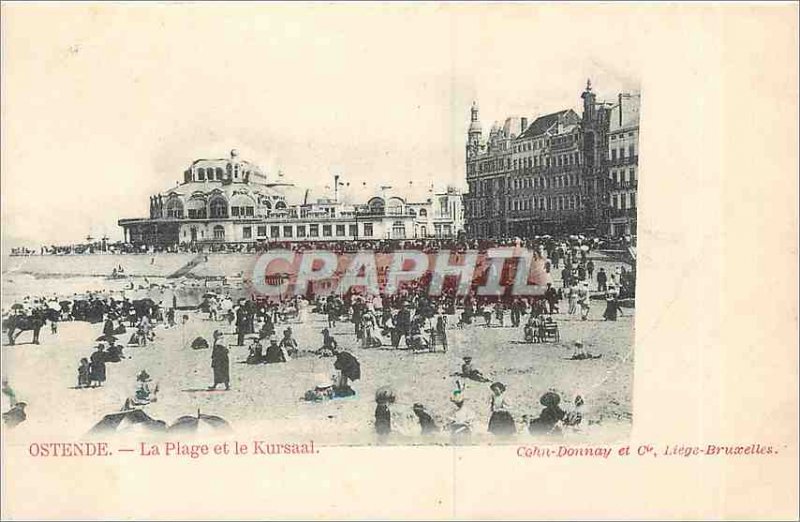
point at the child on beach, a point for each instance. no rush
(83, 373)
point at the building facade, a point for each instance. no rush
(549, 176)
(623, 166)
(231, 201)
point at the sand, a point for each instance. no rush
(265, 399)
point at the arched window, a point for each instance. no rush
(423, 231)
(423, 212)
(395, 206)
(219, 173)
(196, 208)
(219, 232)
(376, 206)
(280, 205)
(201, 174)
(174, 208)
(398, 230)
(242, 206)
(218, 208)
(412, 212)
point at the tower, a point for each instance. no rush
(588, 102)
(474, 133)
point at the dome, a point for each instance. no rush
(234, 153)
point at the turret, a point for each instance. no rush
(474, 133)
(588, 102)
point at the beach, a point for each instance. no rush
(266, 399)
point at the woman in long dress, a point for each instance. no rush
(220, 363)
(501, 422)
(97, 366)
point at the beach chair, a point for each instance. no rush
(549, 332)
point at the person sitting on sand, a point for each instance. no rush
(549, 417)
(288, 343)
(574, 417)
(16, 415)
(275, 354)
(256, 353)
(579, 352)
(426, 422)
(83, 373)
(461, 420)
(144, 394)
(322, 391)
(469, 372)
(329, 344)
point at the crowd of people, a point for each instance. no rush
(408, 320)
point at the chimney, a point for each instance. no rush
(336, 188)
(524, 124)
(620, 109)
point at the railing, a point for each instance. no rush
(627, 160)
(620, 212)
(621, 185)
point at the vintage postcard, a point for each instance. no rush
(399, 261)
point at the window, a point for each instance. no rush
(422, 213)
(219, 232)
(262, 230)
(633, 200)
(613, 154)
(368, 229)
(326, 230)
(174, 208)
(398, 230)
(301, 231)
(313, 230)
(247, 232)
(630, 151)
(201, 174)
(219, 174)
(219, 208)
(275, 232)
(235, 211)
(287, 231)
(353, 230)
(339, 230)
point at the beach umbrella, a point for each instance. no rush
(128, 421)
(200, 423)
(107, 338)
(17, 306)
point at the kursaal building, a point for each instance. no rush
(230, 200)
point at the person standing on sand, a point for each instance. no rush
(97, 368)
(501, 422)
(220, 363)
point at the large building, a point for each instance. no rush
(549, 174)
(230, 200)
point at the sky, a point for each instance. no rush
(108, 104)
